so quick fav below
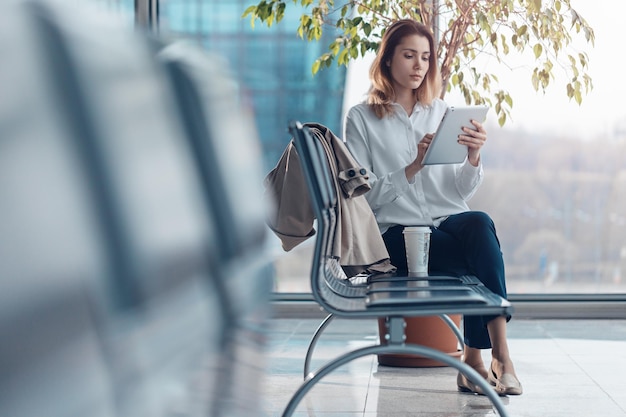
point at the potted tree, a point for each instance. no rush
(467, 31)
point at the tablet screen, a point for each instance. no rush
(444, 148)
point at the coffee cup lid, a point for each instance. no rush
(416, 229)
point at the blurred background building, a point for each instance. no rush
(272, 63)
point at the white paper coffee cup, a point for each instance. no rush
(417, 241)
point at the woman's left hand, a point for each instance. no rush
(474, 139)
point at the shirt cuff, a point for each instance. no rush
(476, 170)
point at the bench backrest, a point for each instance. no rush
(328, 283)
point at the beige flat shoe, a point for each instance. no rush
(507, 384)
(465, 385)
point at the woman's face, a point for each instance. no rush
(410, 63)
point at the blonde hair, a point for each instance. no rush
(381, 94)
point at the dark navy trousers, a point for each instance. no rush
(464, 244)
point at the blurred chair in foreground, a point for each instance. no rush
(53, 258)
(117, 296)
(226, 147)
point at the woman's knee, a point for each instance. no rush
(477, 223)
(480, 218)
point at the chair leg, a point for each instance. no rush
(313, 342)
(465, 369)
(328, 319)
(455, 329)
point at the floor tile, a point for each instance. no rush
(568, 368)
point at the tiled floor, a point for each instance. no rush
(573, 368)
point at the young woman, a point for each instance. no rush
(389, 135)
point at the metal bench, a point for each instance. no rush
(390, 297)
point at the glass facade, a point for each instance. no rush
(559, 211)
(273, 65)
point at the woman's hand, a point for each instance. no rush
(415, 166)
(474, 139)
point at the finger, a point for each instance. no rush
(474, 132)
(473, 137)
(421, 152)
(479, 126)
(471, 142)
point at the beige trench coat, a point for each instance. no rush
(358, 243)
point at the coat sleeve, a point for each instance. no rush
(352, 178)
(291, 216)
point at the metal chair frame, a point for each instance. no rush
(393, 301)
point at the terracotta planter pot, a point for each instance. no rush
(428, 331)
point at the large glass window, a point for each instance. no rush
(555, 178)
(559, 208)
(555, 175)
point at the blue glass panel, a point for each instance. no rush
(273, 64)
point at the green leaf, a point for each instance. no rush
(343, 57)
(535, 81)
(250, 10)
(363, 48)
(505, 45)
(316, 66)
(367, 29)
(280, 11)
(537, 49)
(502, 119)
(354, 52)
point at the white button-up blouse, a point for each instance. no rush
(386, 146)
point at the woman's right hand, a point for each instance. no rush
(416, 166)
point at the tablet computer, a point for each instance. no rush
(444, 148)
